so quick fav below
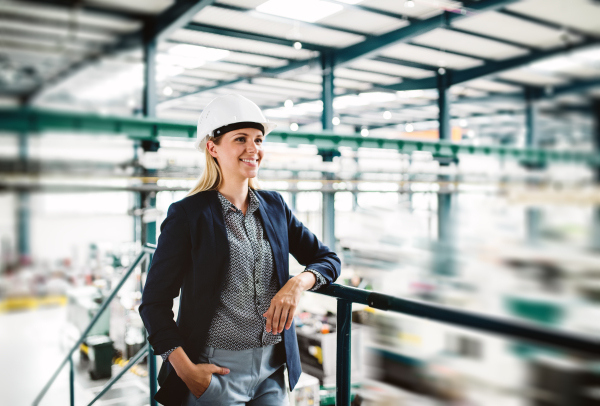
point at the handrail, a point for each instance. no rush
(147, 251)
(347, 295)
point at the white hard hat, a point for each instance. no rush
(225, 110)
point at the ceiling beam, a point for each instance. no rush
(377, 44)
(156, 27)
(287, 20)
(491, 68)
(373, 45)
(213, 29)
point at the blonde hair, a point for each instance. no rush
(212, 177)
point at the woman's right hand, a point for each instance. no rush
(200, 375)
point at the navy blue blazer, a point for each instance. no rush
(192, 254)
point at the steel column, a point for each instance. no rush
(327, 66)
(596, 211)
(444, 196)
(443, 88)
(343, 366)
(533, 215)
(23, 205)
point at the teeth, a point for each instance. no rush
(249, 160)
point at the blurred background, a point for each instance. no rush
(449, 152)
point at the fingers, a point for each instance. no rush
(290, 317)
(283, 318)
(219, 370)
(276, 317)
(267, 314)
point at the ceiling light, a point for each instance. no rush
(298, 45)
(294, 126)
(288, 103)
(178, 60)
(442, 71)
(335, 120)
(407, 94)
(378, 96)
(409, 128)
(306, 10)
(364, 132)
(167, 91)
(409, 4)
(463, 123)
(387, 115)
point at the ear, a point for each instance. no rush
(210, 146)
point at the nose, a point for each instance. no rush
(251, 148)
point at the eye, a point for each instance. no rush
(259, 140)
(240, 138)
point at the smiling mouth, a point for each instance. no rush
(252, 162)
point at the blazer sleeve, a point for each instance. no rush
(165, 276)
(308, 250)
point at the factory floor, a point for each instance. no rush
(34, 343)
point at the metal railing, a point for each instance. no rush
(345, 296)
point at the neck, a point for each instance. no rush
(235, 192)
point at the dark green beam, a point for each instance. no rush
(35, 121)
(213, 29)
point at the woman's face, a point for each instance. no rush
(239, 153)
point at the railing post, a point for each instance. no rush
(71, 381)
(342, 369)
(151, 357)
(152, 375)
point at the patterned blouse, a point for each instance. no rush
(250, 284)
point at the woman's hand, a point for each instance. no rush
(284, 303)
(199, 376)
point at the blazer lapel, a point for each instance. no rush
(273, 240)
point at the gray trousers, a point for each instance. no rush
(255, 378)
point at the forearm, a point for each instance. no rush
(180, 361)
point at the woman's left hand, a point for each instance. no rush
(283, 306)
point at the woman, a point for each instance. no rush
(226, 246)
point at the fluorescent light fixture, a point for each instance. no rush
(178, 60)
(378, 97)
(310, 107)
(279, 113)
(341, 102)
(164, 71)
(590, 54)
(120, 84)
(306, 10)
(199, 52)
(555, 64)
(408, 94)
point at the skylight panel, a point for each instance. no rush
(305, 10)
